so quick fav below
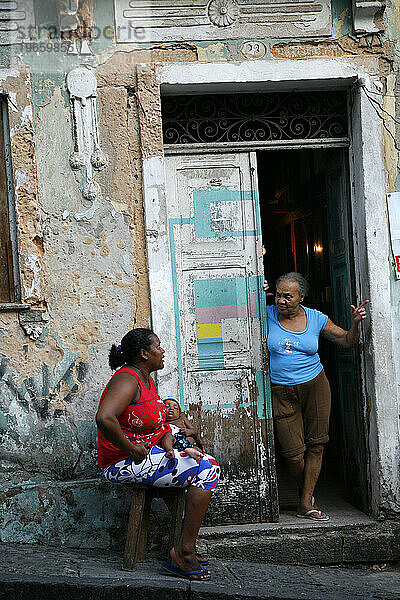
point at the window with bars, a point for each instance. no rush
(10, 290)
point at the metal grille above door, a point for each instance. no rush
(254, 118)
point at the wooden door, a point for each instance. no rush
(347, 359)
(220, 326)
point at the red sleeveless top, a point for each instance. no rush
(142, 421)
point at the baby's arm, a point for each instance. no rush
(187, 428)
(195, 453)
(167, 442)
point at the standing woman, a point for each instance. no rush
(301, 396)
(135, 443)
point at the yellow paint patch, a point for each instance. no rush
(209, 330)
(88, 240)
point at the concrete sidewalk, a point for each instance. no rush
(47, 573)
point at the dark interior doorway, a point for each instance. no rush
(306, 227)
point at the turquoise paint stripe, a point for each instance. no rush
(263, 400)
(171, 223)
(211, 364)
(210, 353)
(228, 291)
(255, 283)
(256, 201)
(202, 200)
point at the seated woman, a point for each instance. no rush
(135, 444)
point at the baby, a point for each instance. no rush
(186, 437)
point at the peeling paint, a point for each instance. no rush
(213, 52)
(89, 213)
(32, 280)
(342, 20)
(342, 46)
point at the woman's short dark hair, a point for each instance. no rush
(131, 345)
(304, 286)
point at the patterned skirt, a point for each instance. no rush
(159, 471)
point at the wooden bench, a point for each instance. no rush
(138, 524)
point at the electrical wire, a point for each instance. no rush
(375, 105)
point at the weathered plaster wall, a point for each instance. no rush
(83, 264)
(392, 148)
(83, 270)
(89, 290)
(392, 106)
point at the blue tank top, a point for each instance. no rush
(294, 355)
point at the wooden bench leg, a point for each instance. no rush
(135, 546)
(144, 527)
(177, 508)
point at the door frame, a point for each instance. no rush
(369, 225)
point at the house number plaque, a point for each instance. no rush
(253, 50)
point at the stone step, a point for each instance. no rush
(308, 542)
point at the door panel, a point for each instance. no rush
(347, 359)
(216, 256)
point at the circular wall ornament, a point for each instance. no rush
(76, 160)
(81, 83)
(223, 13)
(253, 50)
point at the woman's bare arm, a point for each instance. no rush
(340, 336)
(122, 389)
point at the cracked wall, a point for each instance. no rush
(83, 265)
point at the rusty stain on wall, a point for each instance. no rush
(25, 182)
(391, 156)
(119, 69)
(343, 46)
(78, 24)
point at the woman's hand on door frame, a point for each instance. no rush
(359, 314)
(266, 288)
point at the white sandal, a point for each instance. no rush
(309, 515)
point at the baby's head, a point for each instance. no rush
(173, 409)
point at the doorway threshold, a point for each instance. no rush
(349, 537)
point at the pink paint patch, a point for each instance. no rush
(251, 303)
(215, 314)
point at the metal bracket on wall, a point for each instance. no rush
(34, 321)
(87, 156)
(368, 16)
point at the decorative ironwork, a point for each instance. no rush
(254, 117)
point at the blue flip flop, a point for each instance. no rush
(178, 572)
